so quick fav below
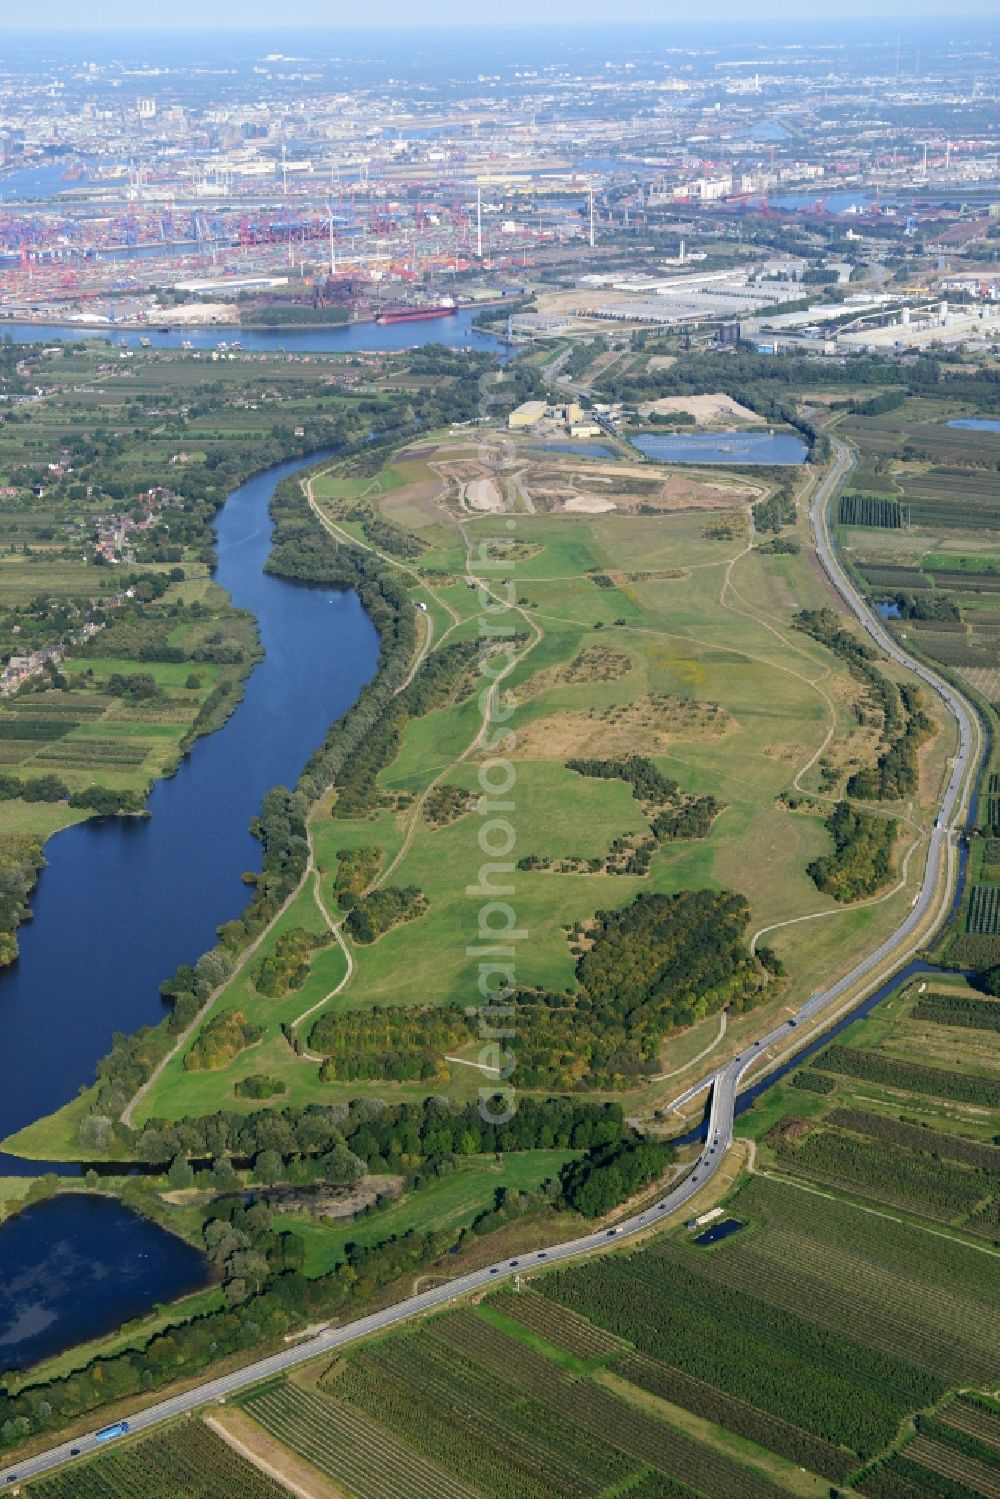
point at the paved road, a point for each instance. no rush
(724, 1083)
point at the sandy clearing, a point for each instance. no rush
(590, 504)
(706, 409)
(483, 494)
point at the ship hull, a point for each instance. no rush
(413, 314)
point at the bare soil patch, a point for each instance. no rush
(563, 486)
(589, 504)
(646, 726)
(483, 494)
(332, 1202)
(708, 410)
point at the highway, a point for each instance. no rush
(930, 906)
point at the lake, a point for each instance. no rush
(78, 1266)
(976, 423)
(723, 447)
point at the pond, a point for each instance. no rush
(976, 423)
(718, 1231)
(77, 1267)
(723, 447)
(575, 449)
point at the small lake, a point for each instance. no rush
(719, 1231)
(889, 610)
(723, 447)
(976, 423)
(575, 449)
(79, 1266)
(455, 332)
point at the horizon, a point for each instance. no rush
(117, 16)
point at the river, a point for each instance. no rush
(123, 901)
(455, 332)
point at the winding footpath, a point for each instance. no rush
(928, 910)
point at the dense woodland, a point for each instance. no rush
(861, 861)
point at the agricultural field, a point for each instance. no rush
(819, 1345)
(526, 1428)
(644, 637)
(920, 531)
(902, 1110)
(186, 1458)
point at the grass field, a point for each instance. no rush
(696, 665)
(451, 1203)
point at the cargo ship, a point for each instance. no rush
(415, 314)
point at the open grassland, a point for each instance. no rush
(633, 635)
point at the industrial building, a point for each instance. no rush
(528, 414)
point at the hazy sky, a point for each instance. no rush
(162, 14)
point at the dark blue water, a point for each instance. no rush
(723, 447)
(123, 901)
(575, 449)
(976, 423)
(718, 1231)
(77, 1267)
(455, 332)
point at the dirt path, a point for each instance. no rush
(238, 966)
(266, 1454)
(665, 1076)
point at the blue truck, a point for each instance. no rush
(108, 1433)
